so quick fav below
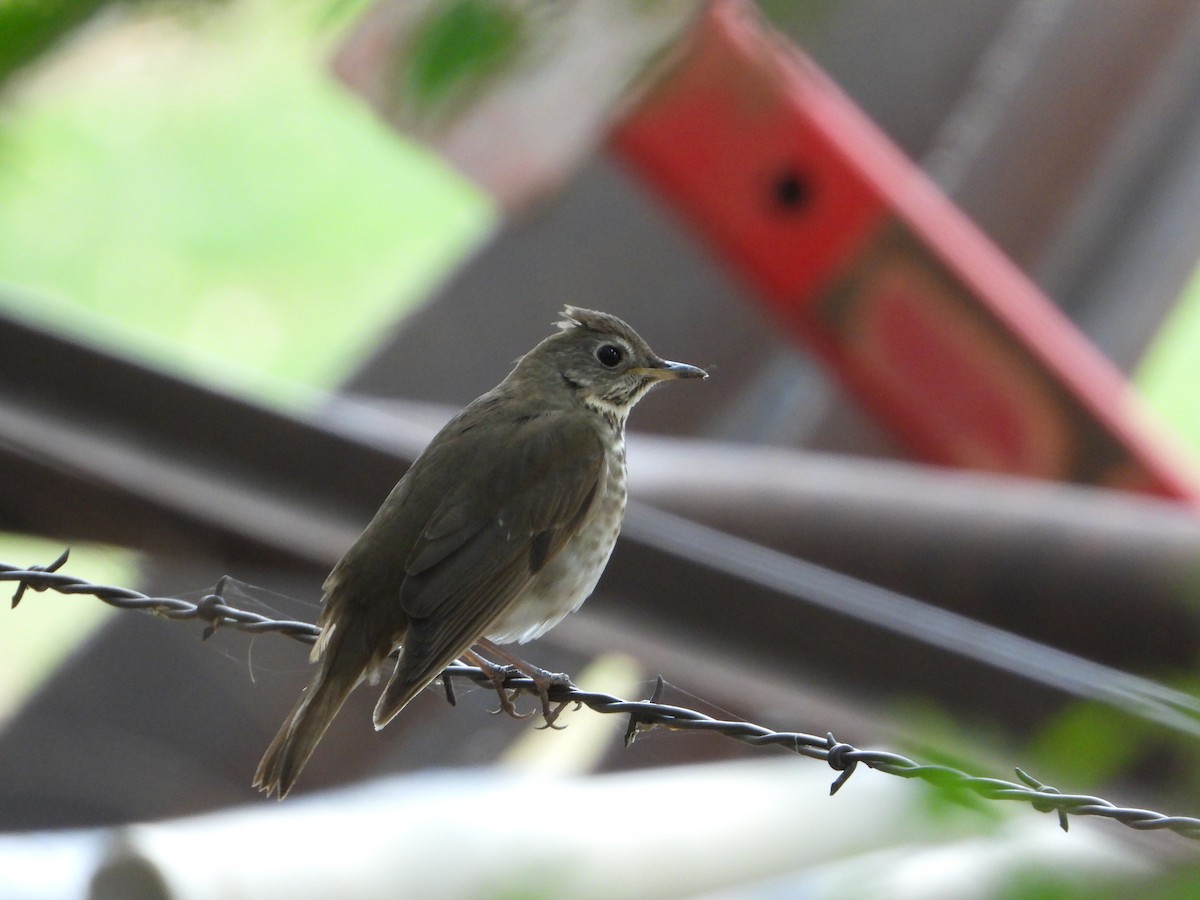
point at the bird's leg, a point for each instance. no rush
(496, 674)
(542, 680)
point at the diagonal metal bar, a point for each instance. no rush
(923, 622)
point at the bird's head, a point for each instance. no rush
(605, 362)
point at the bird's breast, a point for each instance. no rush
(569, 579)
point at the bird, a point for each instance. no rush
(499, 529)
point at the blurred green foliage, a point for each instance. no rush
(188, 183)
(945, 741)
(1042, 883)
(193, 185)
(1170, 372)
(1091, 743)
(28, 28)
(458, 45)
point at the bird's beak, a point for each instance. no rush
(669, 371)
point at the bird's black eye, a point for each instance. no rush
(609, 355)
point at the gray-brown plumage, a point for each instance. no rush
(498, 530)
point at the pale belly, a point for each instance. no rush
(568, 579)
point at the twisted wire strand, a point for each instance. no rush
(844, 758)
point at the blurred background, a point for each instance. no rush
(242, 283)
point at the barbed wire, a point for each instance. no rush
(210, 609)
(844, 758)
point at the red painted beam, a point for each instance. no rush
(861, 257)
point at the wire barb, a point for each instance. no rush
(23, 586)
(635, 721)
(841, 760)
(842, 757)
(1041, 806)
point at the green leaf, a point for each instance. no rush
(458, 46)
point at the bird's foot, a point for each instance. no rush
(543, 682)
(497, 674)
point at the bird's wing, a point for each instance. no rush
(491, 532)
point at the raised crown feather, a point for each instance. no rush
(594, 320)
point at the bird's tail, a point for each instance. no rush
(415, 670)
(397, 694)
(339, 674)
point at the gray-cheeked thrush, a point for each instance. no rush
(500, 528)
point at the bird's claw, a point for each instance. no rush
(550, 716)
(498, 674)
(543, 682)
